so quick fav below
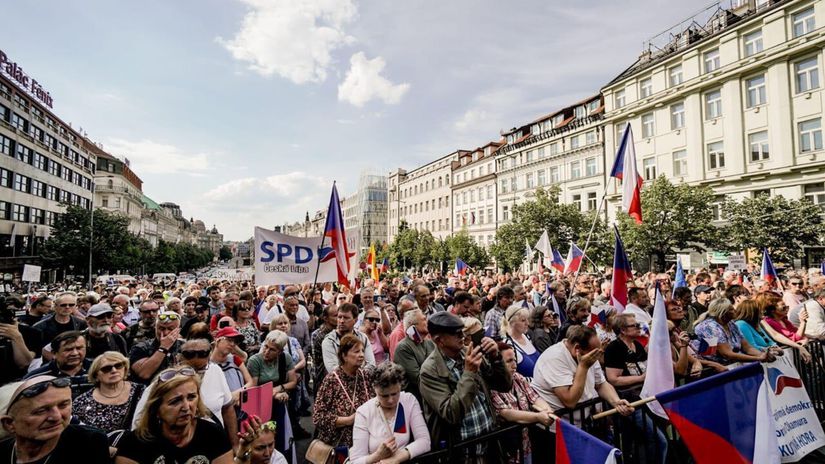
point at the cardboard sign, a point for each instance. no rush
(737, 263)
(31, 273)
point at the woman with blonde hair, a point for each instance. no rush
(111, 404)
(173, 428)
(514, 328)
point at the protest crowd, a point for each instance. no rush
(388, 372)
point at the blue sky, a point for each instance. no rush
(244, 111)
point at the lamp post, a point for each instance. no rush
(91, 235)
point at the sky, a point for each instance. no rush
(244, 112)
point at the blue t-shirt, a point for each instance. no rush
(757, 338)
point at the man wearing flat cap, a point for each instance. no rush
(99, 336)
(455, 383)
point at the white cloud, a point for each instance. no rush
(364, 82)
(150, 157)
(265, 190)
(292, 38)
(470, 119)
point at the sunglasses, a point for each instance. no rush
(38, 388)
(67, 305)
(168, 317)
(112, 367)
(147, 311)
(636, 325)
(373, 319)
(192, 354)
(796, 283)
(166, 376)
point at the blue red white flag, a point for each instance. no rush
(334, 230)
(598, 316)
(575, 446)
(461, 267)
(624, 168)
(574, 259)
(555, 305)
(621, 274)
(659, 375)
(725, 418)
(680, 276)
(385, 265)
(558, 262)
(768, 273)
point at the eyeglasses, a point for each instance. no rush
(166, 317)
(67, 305)
(192, 354)
(636, 325)
(798, 284)
(112, 367)
(147, 311)
(166, 376)
(374, 320)
(33, 390)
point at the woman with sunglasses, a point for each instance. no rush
(173, 427)
(245, 323)
(371, 327)
(112, 403)
(625, 359)
(544, 327)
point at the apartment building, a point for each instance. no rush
(474, 194)
(119, 190)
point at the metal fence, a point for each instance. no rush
(811, 375)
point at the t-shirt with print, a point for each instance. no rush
(208, 443)
(618, 356)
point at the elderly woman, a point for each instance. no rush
(298, 398)
(173, 427)
(520, 405)
(112, 403)
(371, 327)
(257, 444)
(341, 393)
(776, 325)
(174, 304)
(246, 324)
(514, 328)
(389, 428)
(719, 340)
(544, 327)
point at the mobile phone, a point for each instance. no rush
(693, 336)
(223, 324)
(375, 298)
(476, 337)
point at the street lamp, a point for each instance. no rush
(91, 234)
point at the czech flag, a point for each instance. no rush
(558, 262)
(334, 230)
(659, 375)
(720, 418)
(768, 271)
(385, 265)
(575, 446)
(624, 168)
(680, 276)
(461, 267)
(621, 274)
(706, 346)
(779, 381)
(598, 316)
(574, 259)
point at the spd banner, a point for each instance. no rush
(282, 259)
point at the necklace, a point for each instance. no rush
(14, 455)
(119, 392)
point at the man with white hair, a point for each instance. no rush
(398, 332)
(414, 348)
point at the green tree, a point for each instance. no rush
(461, 245)
(782, 226)
(675, 218)
(225, 253)
(401, 250)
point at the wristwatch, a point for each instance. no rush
(163, 350)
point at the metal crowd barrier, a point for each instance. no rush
(812, 375)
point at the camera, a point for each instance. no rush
(6, 313)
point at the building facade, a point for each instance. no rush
(474, 195)
(119, 190)
(733, 101)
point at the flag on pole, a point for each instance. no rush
(385, 265)
(461, 267)
(624, 168)
(621, 274)
(373, 264)
(768, 271)
(543, 245)
(574, 259)
(528, 251)
(659, 374)
(575, 446)
(725, 418)
(680, 276)
(555, 305)
(558, 262)
(334, 230)
(598, 316)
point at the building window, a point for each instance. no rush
(807, 74)
(756, 91)
(19, 122)
(590, 166)
(590, 137)
(816, 194)
(675, 75)
(648, 128)
(540, 177)
(529, 156)
(40, 161)
(619, 99)
(51, 193)
(20, 213)
(649, 168)
(711, 60)
(577, 201)
(5, 145)
(21, 183)
(505, 213)
(575, 170)
(489, 215)
(645, 88)
(528, 179)
(554, 148)
(580, 112)
(753, 42)
(716, 155)
(803, 22)
(38, 188)
(554, 175)
(503, 186)
(37, 216)
(716, 207)
(758, 143)
(574, 142)
(713, 104)
(680, 163)
(4, 210)
(677, 116)
(24, 154)
(810, 135)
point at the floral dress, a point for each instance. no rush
(106, 417)
(520, 398)
(339, 396)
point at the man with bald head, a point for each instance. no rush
(37, 418)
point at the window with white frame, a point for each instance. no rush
(5, 178)
(815, 193)
(675, 75)
(619, 98)
(648, 128)
(592, 105)
(557, 120)
(528, 180)
(581, 112)
(481, 193)
(713, 104)
(574, 142)
(38, 188)
(680, 163)
(529, 156)
(756, 94)
(677, 116)
(503, 186)
(21, 183)
(457, 200)
(645, 88)
(591, 201)
(807, 74)
(554, 175)
(758, 143)
(577, 201)
(590, 137)
(716, 207)
(20, 213)
(575, 169)
(490, 191)
(803, 22)
(554, 148)
(505, 213)
(752, 42)
(472, 196)
(711, 60)
(649, 168)
(810, 135)
(513, 183)
(590, 167)
(541, 177)
(716, 155)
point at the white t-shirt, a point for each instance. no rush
(556, 367)
(302, 314)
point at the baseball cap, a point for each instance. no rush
(702, 289)
(99, 310)
(228, 332)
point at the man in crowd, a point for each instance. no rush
(70, 360)
(329, 321)
(492, 321)
(425, 300)
(40, 308)
(684, 297)
(38, 417)
(63, 320)
(19, 344)
(455, 386)
(794, 294)
(463, 304)
(229, 301)
(99, 336)
(156, 354)
(398, 333)
(520, 298)
(201, 315)
(702, 293)
(347, 315)
(145, 327)
(131, 313)
(737, 294)
(297, 327)
(815, 327)
(216, 305)
(578, 313)
(414, 348)
(637, 302)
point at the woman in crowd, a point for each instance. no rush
(371, 327)
(625, 359)
(174, 304)
(117, 320)
(748, 318)
(341, 393)
(173, 427)
(520, 405)
(719, 339)
(233, 365)
(299, 398)
(245, 323)
(112, 403)
(514, 328)
(776, 324)
(257, 443)
(684, 364)
(389, 428)
(544, 327)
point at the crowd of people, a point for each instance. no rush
(141, 373)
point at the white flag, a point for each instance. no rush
(659, 377)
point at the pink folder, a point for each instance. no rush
(257, 401)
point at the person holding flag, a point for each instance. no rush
(334, 230)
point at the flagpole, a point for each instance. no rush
(318, 265)
(587, 242)
(635, 404)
